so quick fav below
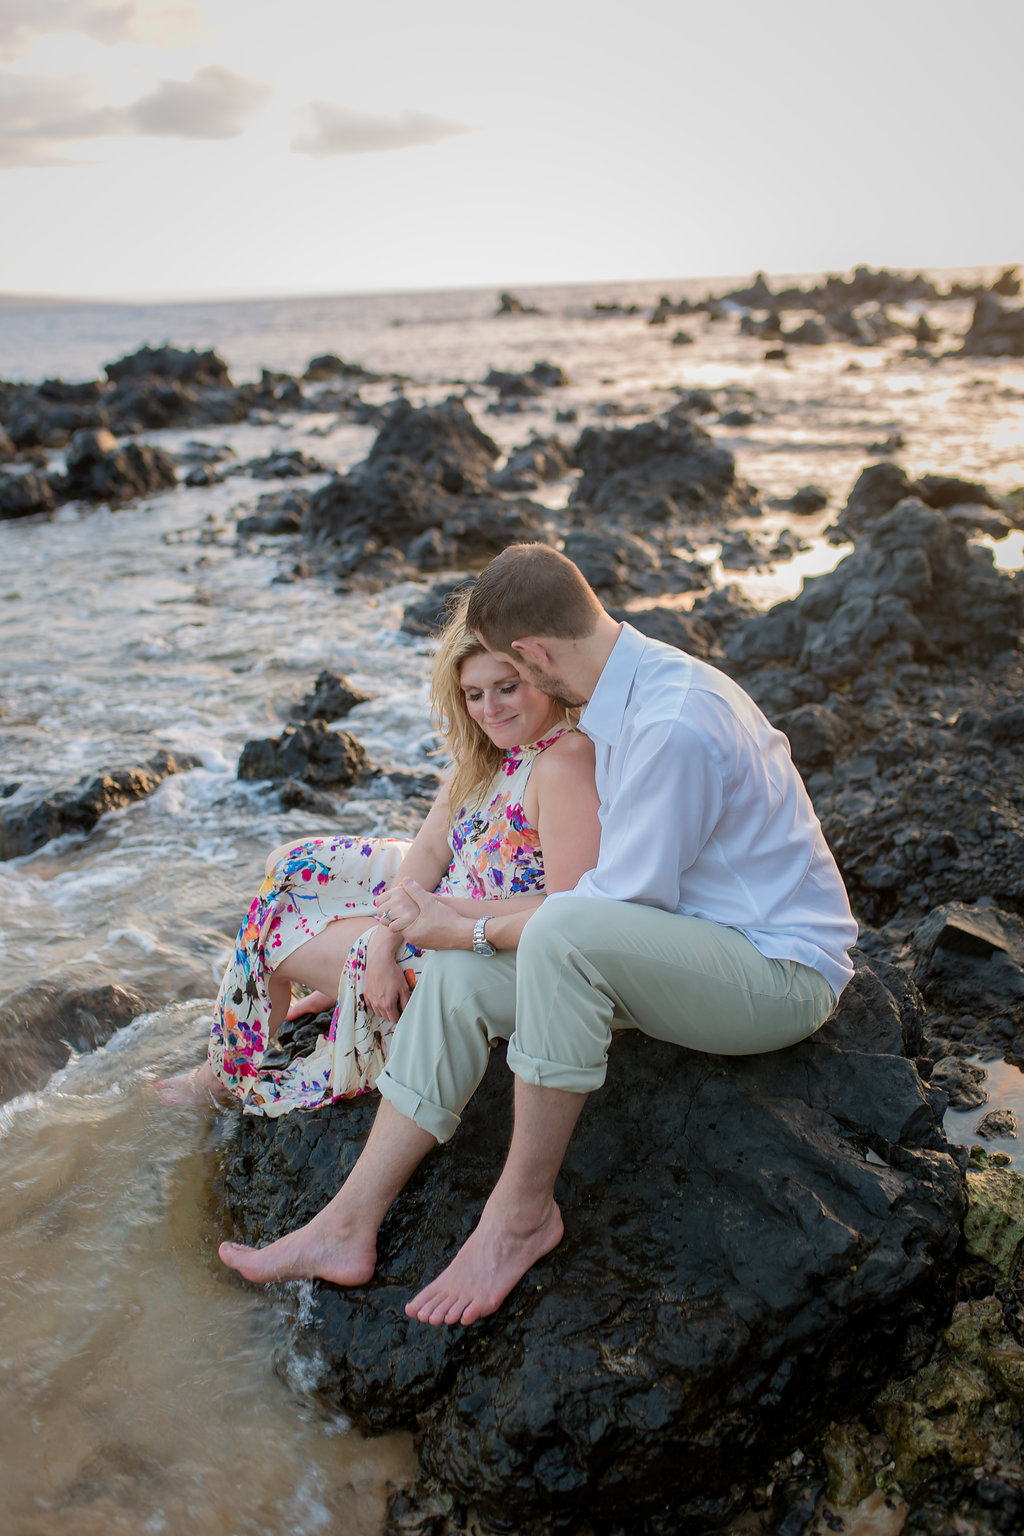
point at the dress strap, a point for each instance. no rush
(549, 741)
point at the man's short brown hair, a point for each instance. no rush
(530, 589)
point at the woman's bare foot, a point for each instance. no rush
(192, 1089)
(326, 1248)
(313, 1002)
(490, 1263)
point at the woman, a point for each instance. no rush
(333, 912)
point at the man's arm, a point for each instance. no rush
(660, 811)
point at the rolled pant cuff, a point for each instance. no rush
(554, 1074)
(440, 1122)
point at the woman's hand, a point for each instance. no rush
(422, 919)
(385, 988)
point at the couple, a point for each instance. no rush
(713, 915)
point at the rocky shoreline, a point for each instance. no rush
(655, 1378)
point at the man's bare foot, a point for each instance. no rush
(324, 1249)
(490, 1263)
(313, 1002)
(194, 1089)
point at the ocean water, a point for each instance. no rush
(139, 1384)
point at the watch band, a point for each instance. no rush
(480, 944)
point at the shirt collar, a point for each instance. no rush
(602, 718)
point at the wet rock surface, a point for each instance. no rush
(332, 698)
(24, 829)
(791, 1237)
(309, 753)
(98, 470)
(42, 1024)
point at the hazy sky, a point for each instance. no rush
(174, 147)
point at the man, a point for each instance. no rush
(715, 917)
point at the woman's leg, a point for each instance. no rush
(317, 899)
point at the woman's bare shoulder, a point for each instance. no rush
(571, 755)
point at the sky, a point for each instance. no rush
(179, 148)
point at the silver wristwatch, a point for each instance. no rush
(480, 944)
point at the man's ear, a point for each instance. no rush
(533, 650)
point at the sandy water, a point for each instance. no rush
(138, 1383)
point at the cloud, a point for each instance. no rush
(334, 130)
(40, 117)
(105, 21)
(215, 104)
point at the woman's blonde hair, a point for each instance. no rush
(476, 758)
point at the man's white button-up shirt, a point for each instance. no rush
(703, 812)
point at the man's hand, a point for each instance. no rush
(423, 919)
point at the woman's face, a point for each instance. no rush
(512, 712)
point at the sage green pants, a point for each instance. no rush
(583, 968)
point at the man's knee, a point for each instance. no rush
(557, 927)
(461, 990)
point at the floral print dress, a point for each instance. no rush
(495, 853)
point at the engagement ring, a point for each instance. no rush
(385, 916)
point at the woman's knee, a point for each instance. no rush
(285, 851)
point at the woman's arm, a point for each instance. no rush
(385, 987)
(564, 810)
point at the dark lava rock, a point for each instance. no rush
(812, 333)
(329, 366)
(913, 589)
(428, 615)
(918, 818)
(537, 462)
(331, 699)
(970, 959)
(310, 753)
(925, 334)
(167, 362)
(42, 1024)
(881, 486)
(672, 463)
(277, 515)
(995, 331)
(620, 565)
(808, 500)
(508, 304)
(961, 1081)
(815, 735)
(540, 377)
(79, 809)
(441, 443)
(685, 631)
(285, 464)
(296, 796)
(736, 1271)
(1008, 283)
(998, 1125)
(23, 495)
(98, 470)
(48, 415)
(425, 475)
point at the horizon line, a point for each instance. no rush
(12, 300)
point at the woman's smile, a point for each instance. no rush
(512, 712)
